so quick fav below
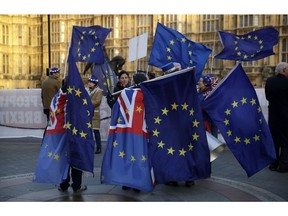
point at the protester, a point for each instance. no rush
(206, 84)
(123, 82)
(50, 86)
(95, 94)
(276, 91)
(76, 174)
(137, 79)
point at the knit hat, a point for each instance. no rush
(210, 80)
(93, 79)
(54, 70)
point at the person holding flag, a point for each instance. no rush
(205, 85)
(95, 94)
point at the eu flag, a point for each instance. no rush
(177, 139)
(106, 76)
(87, 43)
(126, 160)
(170, 45)
(249, 47)
(79, 113)
(52, 165)
(234, 108)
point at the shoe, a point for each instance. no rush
(172, 183)
(273, 167)
(62, 190)
(189, 183)
(82, 188)
(125, 188)
(98, 151)
(136, 190)
(282, 168)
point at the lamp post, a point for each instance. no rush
(49, 47)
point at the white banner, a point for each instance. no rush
(22, 108)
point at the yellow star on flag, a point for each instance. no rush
(157, 120)
(182, 152)
(56, 157)
(121, 154)
(165, 111)
(170, 151)
(174, 106)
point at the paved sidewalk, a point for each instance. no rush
(228, 183)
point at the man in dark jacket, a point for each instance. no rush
(49, 88)
(276, 91)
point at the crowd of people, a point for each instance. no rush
(276, 91)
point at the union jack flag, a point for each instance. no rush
(126, 161)
(56, 122)
(52, 165)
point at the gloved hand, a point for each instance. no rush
(110, 100)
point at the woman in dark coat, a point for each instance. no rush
(123, 82)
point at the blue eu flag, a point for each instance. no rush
(79, 115)
(87, 43)
(234, 108)
(52, 165)
(177, 139)
(249, 47)
(126, 160)
(170, 45)
(106, 76)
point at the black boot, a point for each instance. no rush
(98, 151)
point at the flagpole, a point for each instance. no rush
(67, 54)
(212, 58)
(137, 53)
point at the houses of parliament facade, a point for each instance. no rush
(29, 44)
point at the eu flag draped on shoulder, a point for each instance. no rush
(170, 45)
(234, 108)
(126, 161)
(52, 165)
(87, 43)
(106, 76)
(249, 47)
(79, 113)
(177, 139)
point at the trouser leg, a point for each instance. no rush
(65, 184)
(283, 159)
(76, 178)
(97, 139)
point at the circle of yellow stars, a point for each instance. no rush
(160, 119)
(234, 105)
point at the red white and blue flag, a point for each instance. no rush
(52, 165)
(126, 161)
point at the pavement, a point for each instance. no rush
(228, 181)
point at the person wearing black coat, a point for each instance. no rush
(276, 92)
(123, 82)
